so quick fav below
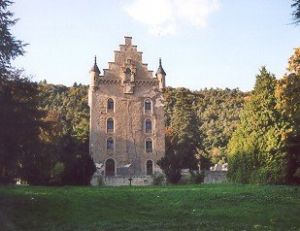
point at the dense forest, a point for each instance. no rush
(44, 131)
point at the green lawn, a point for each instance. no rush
(192, 207)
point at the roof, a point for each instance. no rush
(160, 69)
(95, 68)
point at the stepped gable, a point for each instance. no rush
(128, 64)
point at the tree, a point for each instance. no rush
(257, 149)
(217, 112)
(19, 114)
(10, 47)
(185, 125)
(183, 139)
(65, 139)
(19, 122)
(294, 62)
(296, 12)
(171, 162)
(288, 103)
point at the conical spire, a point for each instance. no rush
(160, 69)
(95, 68)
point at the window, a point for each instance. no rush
(147, 105)
(110, 144)
(127, 74)
(110, 125)
(148, 126)
(149, 167)
(110, 105)
(148, 145)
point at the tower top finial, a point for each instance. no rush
(95, 68)
(160, 69)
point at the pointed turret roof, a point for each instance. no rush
(95, 68)
(160, 69)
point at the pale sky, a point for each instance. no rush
(203, 43)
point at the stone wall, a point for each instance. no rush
(214, 177)
(122, 181)
(127, 82)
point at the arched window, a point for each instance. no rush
(110, 105)
(147, 105)
(148, 126)
(110, 144)
(110, 125)
(148, 145)
(109, 167)
(149, 167)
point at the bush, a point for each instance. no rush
(159, 179)
(197, 178)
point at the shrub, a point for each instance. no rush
(159, 179)
(197, 178)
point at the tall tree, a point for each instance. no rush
(19, 122)
(288, 103)
(257, 151)
(185, 125)
(184, 139)
(66, 141)
(15, 101)
(10, 47)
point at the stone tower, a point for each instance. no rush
(126, 115)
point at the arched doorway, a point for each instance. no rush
(149, 167)
(109, 167)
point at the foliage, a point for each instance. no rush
(294, 62)
(188, 207)
(196, 177)
(296, 12)
(18, 113)
(186, 137)
(217, 114)
(159, 179)
(258, 148)
(10, 47)
(170, 163)
(19, 122)
(288, 98)
(67, 115)
(56, 173)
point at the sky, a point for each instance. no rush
(202, 43)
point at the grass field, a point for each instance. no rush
(192, 207)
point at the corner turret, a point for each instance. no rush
(161, 74)
(94, 73)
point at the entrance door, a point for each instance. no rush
(149, 167)
(110, 167)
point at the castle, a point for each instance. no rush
(126, 115)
